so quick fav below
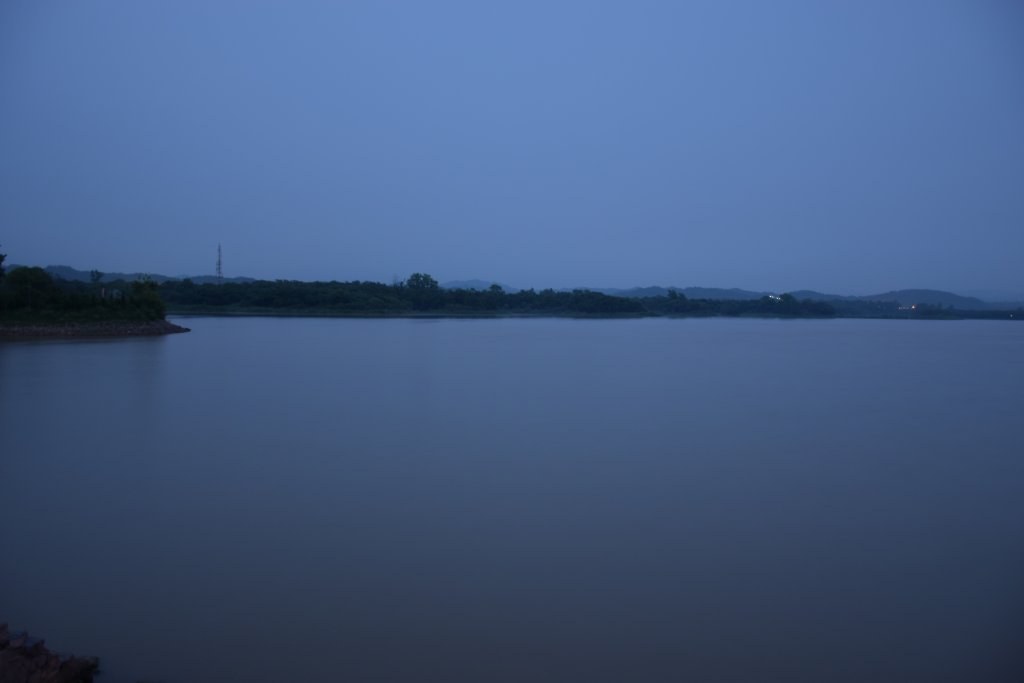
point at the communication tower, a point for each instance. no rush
(220, 270)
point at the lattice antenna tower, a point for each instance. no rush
(220, 270)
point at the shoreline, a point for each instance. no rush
(492, 315)
(441, 314)
(88, 330)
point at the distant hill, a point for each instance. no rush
(478, 285)
(75, 275)
(932, 297)
(819, 296)
(909, 297)
(212, 279)
(69, 273)
(727, 294)
(905, 297)
(733, 294)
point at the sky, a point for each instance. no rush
(848, 147)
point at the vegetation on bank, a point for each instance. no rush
(32, 296)
(420, 294)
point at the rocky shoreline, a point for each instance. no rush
(110, 328)
(24, 659)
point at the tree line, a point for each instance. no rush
(421, 293)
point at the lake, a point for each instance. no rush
(273, 499)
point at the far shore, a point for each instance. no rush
(78, 330)
(272, 312)
(327, 313)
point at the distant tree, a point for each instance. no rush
(422, 281)
(95, 276)
(495, 289)
(2, 257)
(423, 292)
(676, 294)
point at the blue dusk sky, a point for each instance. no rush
(849, 147)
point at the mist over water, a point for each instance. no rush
(521, 499)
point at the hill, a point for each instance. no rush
(930, 297)
(75, 275)
(476, 285)
(717, 294)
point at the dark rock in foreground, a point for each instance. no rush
(119, 328)
(27, 660)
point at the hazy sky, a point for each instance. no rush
(841, 146)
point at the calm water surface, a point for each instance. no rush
(521, 500)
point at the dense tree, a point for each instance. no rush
(785, 306)
(145, 296)
(32, 294)
(424, 292)
(422, 282)
(31, 288)
(419, 293)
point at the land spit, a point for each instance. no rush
(108, 328)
